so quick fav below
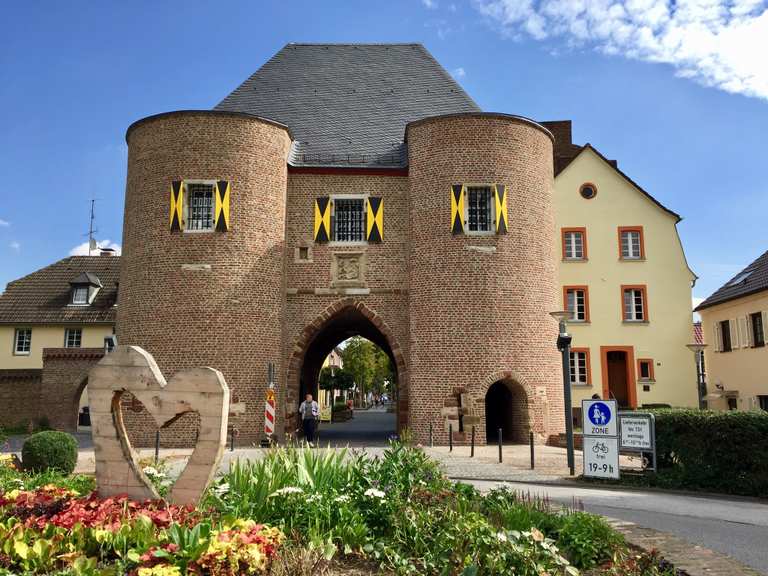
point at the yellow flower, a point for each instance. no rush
(160, 570)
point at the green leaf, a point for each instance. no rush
(21, 549)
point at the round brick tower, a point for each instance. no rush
(207, 298)
(479, 302)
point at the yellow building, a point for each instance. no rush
(734, 321)
(69, 304)
(627, 284)
(325, 397)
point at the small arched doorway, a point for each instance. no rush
(506, 407)
(353, 320)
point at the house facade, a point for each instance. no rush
(626, 282)
(734, 322)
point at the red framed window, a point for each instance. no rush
(631, 243)
(576, 302)
(634, 303)
(574, 241)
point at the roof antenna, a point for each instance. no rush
(92, 245)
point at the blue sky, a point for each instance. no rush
(679, 95)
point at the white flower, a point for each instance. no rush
(221, 489)
(150, 471)
(314, 498)
(501, 536)
(375, 493)
(286, 490)
(342, 498)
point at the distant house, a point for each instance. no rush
(734, 321)
(69, 304)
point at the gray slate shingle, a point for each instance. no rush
(348, 104)
(756, 281)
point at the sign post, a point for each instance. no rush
(269, 404)
(601, 438)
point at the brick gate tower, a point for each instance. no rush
(349, 190)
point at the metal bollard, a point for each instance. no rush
(431, 440)
(157, 447)
(450, 437)
(499, 445)
(530, 439)
(472, 452)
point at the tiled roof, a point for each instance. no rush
(43, 296)
(348, 104)
(754, 278)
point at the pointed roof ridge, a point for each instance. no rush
(749, 280)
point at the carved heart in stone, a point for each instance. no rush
(132, 369)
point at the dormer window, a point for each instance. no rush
(84, 289)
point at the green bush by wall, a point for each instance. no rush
(717, 451)
(50, 450)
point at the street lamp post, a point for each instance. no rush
(701, 385)
(564, 345)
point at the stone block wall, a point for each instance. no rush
(20, 397)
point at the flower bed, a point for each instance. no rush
(302, 511)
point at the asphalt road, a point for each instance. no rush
(738, 528)
(368, 428)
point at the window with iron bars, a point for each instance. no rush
(348, 220)
(199, 206)
(479, 209)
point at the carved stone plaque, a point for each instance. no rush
(348, 269)
(131, 369)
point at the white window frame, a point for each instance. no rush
(187, 197)
(492, 201)
(630, 254)
(70, 331)
(633, 305)
(576, 371)
(75, 290)
(571, 246)
(332, 199)
(16, 333)
(572, 294)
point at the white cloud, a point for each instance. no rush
(459, 73)
(15, 246)
(82, 249)
(4, 223)
(718, 43)
(430, 4)
(695, 301)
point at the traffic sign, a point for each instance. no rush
(599, 418)
(637, 432)
(601, 457)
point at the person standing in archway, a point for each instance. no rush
(309, 411)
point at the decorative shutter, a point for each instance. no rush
(177, 206)
(716, 336)
(457, 209)
(765, 326)
(374, 220)
(322, 219)
(747, 342)
(501, 208)
(221, 212)
(733, 324)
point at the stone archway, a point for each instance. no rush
(340, 320)
(507, 403)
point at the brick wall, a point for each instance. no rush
(20, 397)
(65, 375)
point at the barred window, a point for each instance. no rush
(579, 372)
(479, 209)
(348, 219)
(22, 342)
(73, 337)
(199, 206)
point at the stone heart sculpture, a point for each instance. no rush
(132, 369)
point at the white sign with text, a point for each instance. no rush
(636, 432)
(601, 457)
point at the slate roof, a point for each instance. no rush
(754, 278)
(43, 296)
(348, 104)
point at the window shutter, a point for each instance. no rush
(716, 336)
(501, 209)
(322, 219)
(374, 220)
(457, 209)
(747, 342)
(733, 324)
(221, 212)
(765, 326)
(177, 206)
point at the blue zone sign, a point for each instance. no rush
(599, 418)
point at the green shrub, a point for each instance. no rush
(587, 540)
(50, 450)
(707, 450)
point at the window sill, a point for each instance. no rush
(575, 259)
(21, 354)
(631, 259)
(340, 244)
(646, 381)
(206, 231)
(636, 322)
(758, 345)
(579, 322)
(580, 385)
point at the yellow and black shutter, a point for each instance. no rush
(501, 208)
(322, 219)
(221, 211)
(177, 206)
(374, 220)
(457, 209)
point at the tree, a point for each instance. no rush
(333, 378)
(369, 365)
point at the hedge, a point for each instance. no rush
(50, 450)
(717, 451)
